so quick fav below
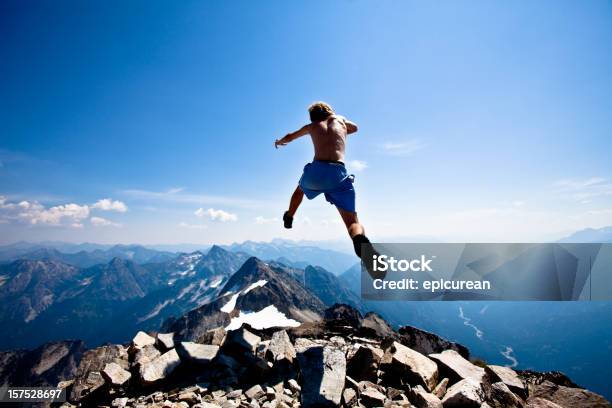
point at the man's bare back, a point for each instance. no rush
(328, 137)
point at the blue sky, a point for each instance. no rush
(478, 120)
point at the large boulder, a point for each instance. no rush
(509, 377)
(323, 372)
(116, 375)
(464, 394)
(241, 340)
(499, 396)
(142, 339)
(196, 353)
(363, 362)
(145, 354)
(280, 347)
(456, 368)
(160, 368)
(401, 363)
(165, 341)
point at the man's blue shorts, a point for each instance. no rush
(331, 179)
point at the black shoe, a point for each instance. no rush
(364, 250)
(287, 220)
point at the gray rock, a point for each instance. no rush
(142, 339)
(371, 397)
(410, 365)
(114, 374)
(196, 353)
(509, 377)
(428, 343)
(214, 336)
(456, 367)
(499, 396)
(145, 354)
(440, 389)
(363, 362)
(466, 393)
(165, 341)
(280, 347)
(323, 371)
(255, 392)
(422, 399)
(159, 368)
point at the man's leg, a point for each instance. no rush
(357, 234)
(351, 222)
(294, 203)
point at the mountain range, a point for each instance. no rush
(48, 299)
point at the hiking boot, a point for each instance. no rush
(364, 250)
(287, 220)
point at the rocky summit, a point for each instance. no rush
(343, 359)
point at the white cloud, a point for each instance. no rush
(263, 220)
(584, 190)
(103, 222)
(34, 213)
(108, 204)
(405, 148)
(357, 165)
(192, 226)
(216, 215)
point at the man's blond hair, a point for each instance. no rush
(320, 111)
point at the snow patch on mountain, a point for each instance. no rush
(229, 306)
(267, 317)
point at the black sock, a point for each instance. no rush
(358, 240)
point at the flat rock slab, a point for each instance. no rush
(242, 339)
(115, 374)
(458, 366)
(142, 339)
(464, 394)
(323, 372)
(165, 341)
(159, 368)
(196, 353)
(406, 362)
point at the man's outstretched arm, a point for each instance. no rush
(304, 130)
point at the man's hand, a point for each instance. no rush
(280, 142)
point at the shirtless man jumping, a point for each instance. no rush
(327, 174)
